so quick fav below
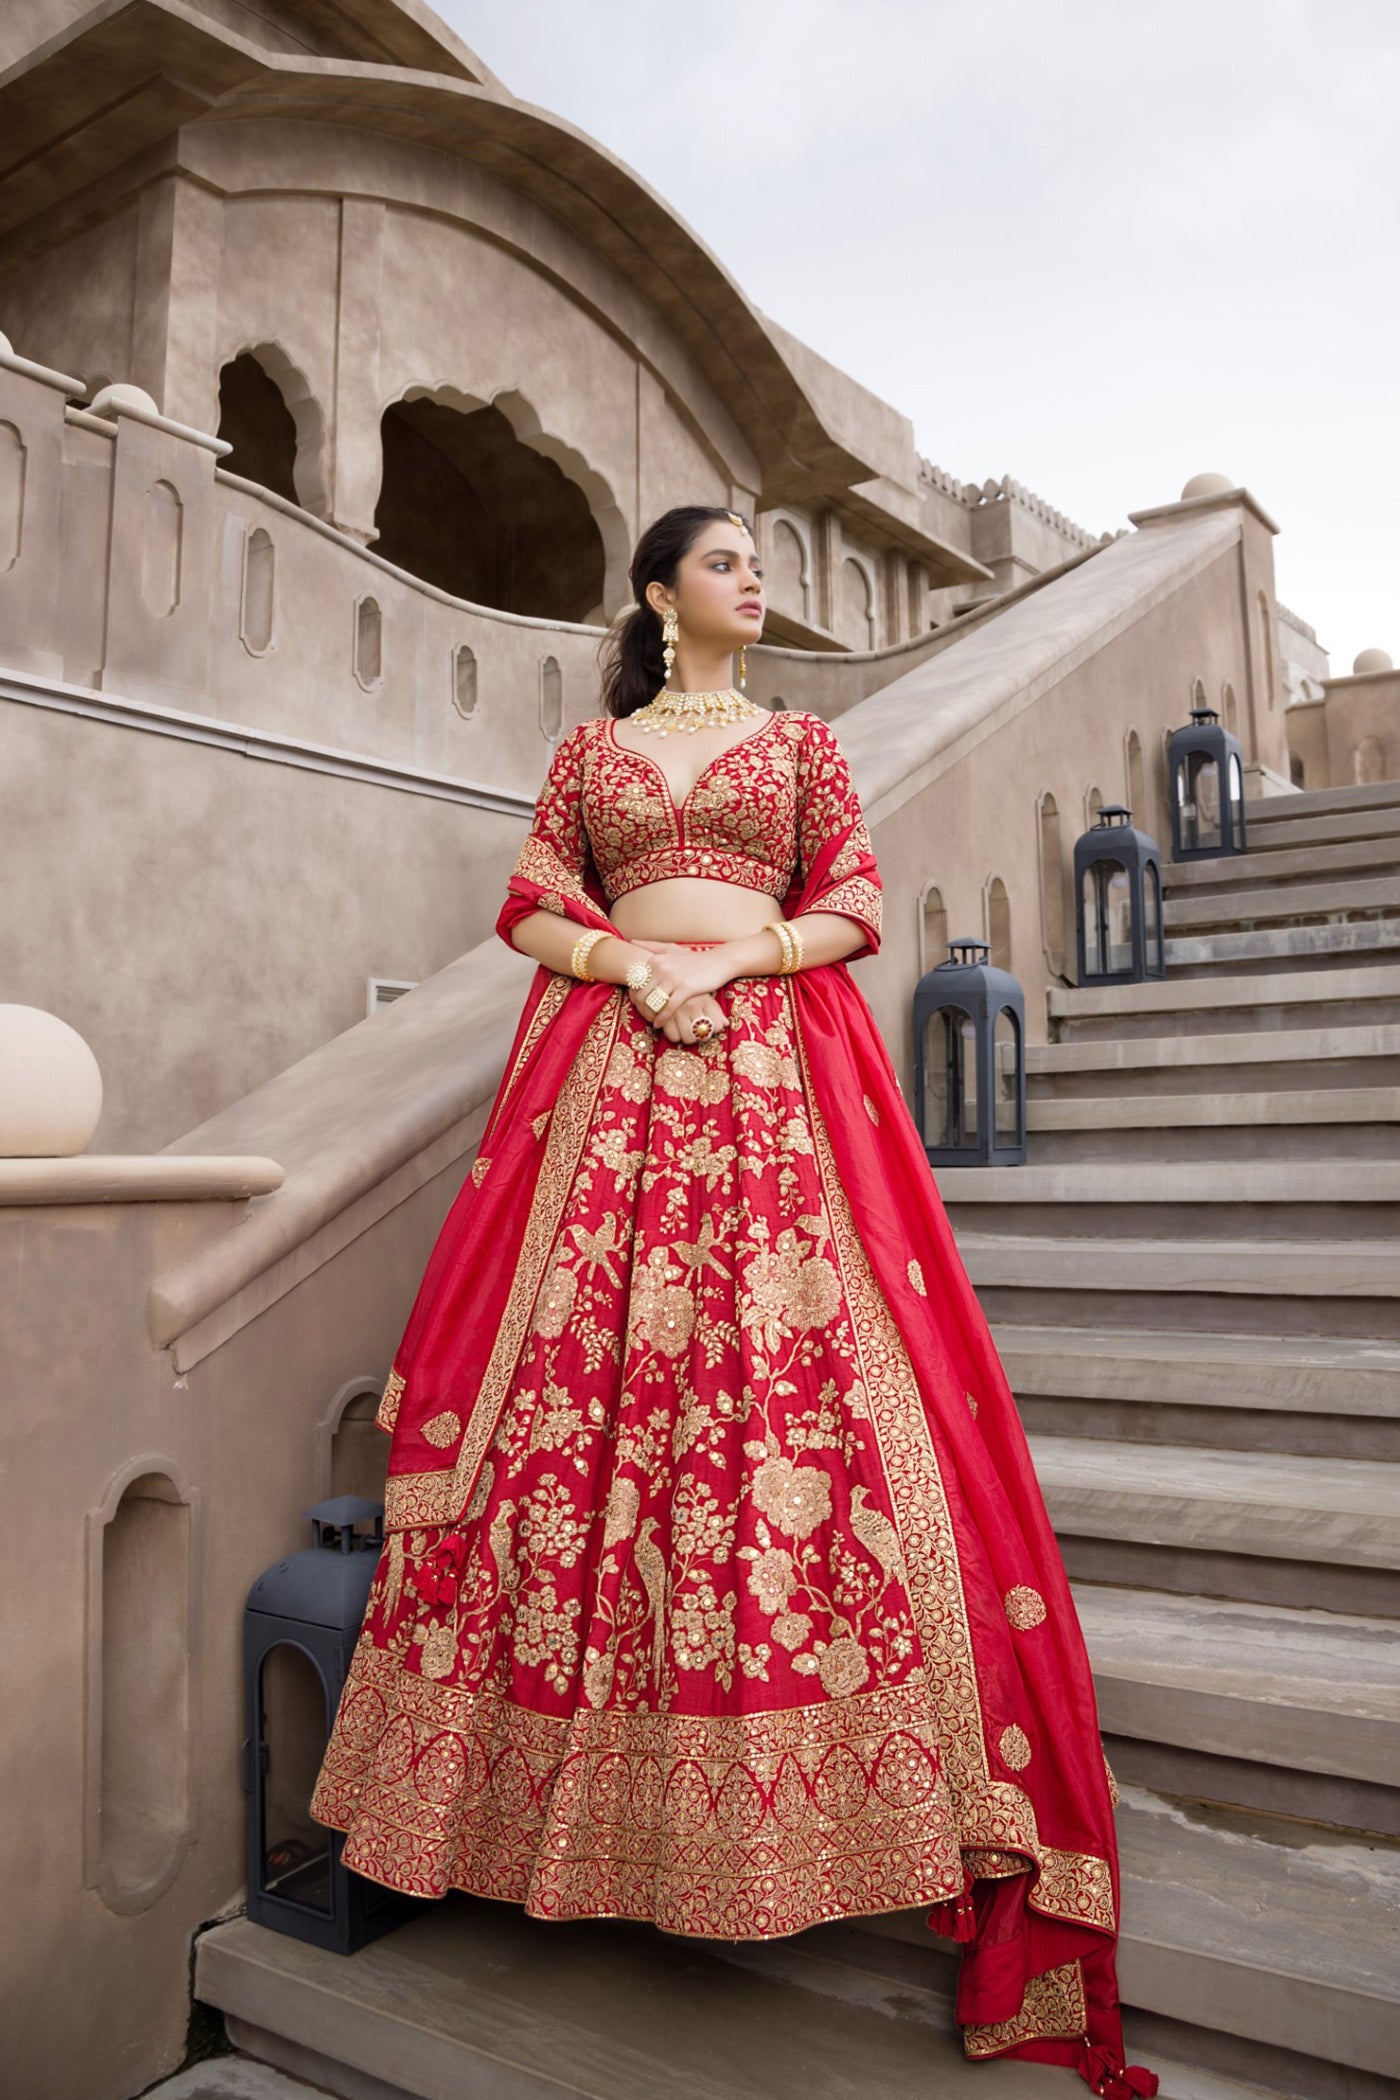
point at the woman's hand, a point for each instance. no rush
(679, 1024)
(681, 971)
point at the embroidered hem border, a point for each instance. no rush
(745, 1826)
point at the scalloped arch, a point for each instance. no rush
(525, 420)
(309, 468)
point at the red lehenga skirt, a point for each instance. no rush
(718, 1589)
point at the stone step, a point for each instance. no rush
(1265, 947)
(1325, 1123)
(1331, 1397)
(1237, 873)
(1196, 1185)
(1290, 833)
(1317, 1691)
(474, 2001)
(1281, 1287)
(1222, 1061)
(1292, 1711)
(1283, 810)
(1197, 1005)
(1271, 1527)
(1248, 1927)
(1367, 895)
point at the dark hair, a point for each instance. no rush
(633, 668)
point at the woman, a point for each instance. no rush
(718, 1588)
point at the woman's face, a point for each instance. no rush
(718, 591)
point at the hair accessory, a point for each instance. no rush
(670, 635)
(735, 519)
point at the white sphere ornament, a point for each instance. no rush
(1372, 660)
(50, 1086)
(1207, 485)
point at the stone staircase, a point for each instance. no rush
(1195, 1286)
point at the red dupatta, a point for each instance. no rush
(987, 1583)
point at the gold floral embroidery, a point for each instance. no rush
(444, 1429)
(1052, 2009)
(479, 1167)
(870, 1109)
(537, 1123)
(1113, 1793)
(1015, 1748)
(735, 1826)
(971, 1400)
(916, 1277)
(388, 1412)
(437, 1498)
(1024, 1607)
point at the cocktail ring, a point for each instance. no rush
(703, 1028)
(656, 999)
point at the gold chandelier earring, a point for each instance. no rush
(670, 635)
(743, 666)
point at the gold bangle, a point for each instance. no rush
(582, 949)
(777, 926)
(794, 935)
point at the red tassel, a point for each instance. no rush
(1112, 2078)
(954, 1920)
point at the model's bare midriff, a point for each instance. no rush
(692, 908)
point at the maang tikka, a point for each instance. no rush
(670, 634)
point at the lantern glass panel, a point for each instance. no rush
(1151, 909)
(1198, 799)
(297, 1855)
(1006, 1062)
(950, 1074)
(1236, 791)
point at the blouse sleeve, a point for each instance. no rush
(837, 864)
(554, 864)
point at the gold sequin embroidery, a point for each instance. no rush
(1015, 1747)
(916, 1277)
(444, 1429)
(1024, 1607)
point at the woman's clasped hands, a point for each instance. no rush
(692, 976)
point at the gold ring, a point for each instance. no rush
(656, 999)
(702, 1029)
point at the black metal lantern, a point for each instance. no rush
(1206, 765)
(299, 1632)
(1118, 901)
(970, 1061)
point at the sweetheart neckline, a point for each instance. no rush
(679, 808)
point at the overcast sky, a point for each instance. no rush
(1100, 245)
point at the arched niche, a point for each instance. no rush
(551, 697)
(162, 548)
(464, 680)
(997, 918)
(273, 421)
(142, 1623)
(933, 928)
(1136, 779)
(1052, 883)
(1368, 762)
(257, 599)
(858, 600)
(478, 499)
(14, 461)
(1229, 708)
(789, 568)
(1093, 803)
(368, 643)
(353, 1452)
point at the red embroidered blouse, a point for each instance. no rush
(758, 815)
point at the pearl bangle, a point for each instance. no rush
(582, 949)
(790, 941)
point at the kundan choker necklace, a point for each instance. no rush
(691, 711)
